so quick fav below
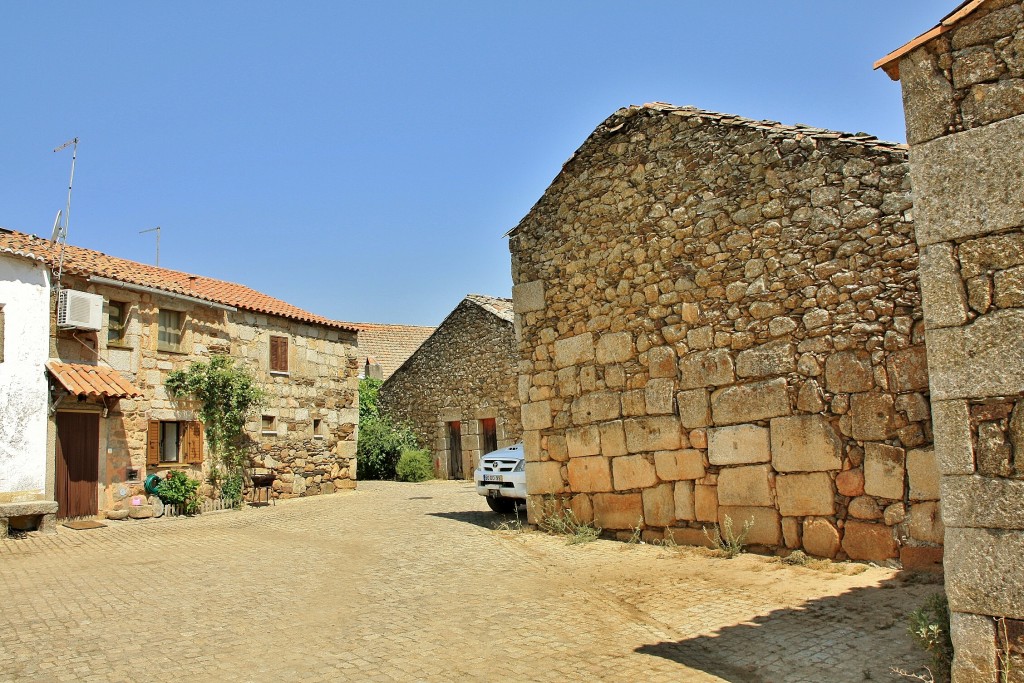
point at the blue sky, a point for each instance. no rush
(363, 160)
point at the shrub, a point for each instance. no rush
(381, 439)
(180, 489)
(414, 465)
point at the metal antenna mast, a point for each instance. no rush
(157, 231)
(61, 231)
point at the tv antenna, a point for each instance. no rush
(60, 232)
(157, 231)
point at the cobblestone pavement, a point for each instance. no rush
(403, 582)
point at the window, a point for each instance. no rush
(318, 428)
(117, 318)
(269, 427)
(169, 334)
(170, 442)
(488, 435)
(279, 354)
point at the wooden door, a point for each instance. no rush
(78, 464)
(488, 435)
(455, 450)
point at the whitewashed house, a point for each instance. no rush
(24, 345)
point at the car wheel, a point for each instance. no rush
(502, 505)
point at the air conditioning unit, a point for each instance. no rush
(79, 310)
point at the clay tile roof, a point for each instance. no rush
(86, 262)
(891, 62)
(92, 380)
(390, 345)
(492, 304)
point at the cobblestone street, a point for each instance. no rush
(409, 582)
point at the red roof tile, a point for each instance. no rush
(390, 345)
(92, 380)
(891, 62)
(86, 262)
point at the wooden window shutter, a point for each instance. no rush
(194, 443)
(153, 443)
(279, 354)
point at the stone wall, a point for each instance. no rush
(964, 99)
(720, 319)
(464, 372)
(321, 384)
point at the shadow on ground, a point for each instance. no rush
(832, 639)
(481, 518)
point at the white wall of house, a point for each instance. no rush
(25, 298)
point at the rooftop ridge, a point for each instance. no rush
(89, 262)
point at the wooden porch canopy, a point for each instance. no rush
(92, 381)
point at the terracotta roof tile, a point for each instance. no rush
(390, 345)
(92, 380)
(86, 262)
(891, 62)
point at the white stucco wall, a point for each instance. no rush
(25, 297)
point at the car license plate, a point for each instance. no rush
(493, 477)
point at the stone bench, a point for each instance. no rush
(45, 512)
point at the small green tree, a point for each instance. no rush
(381, 439)
(226, 394)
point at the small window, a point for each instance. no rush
(117, 317)
(169, 334)
(269, 425)
(279, 354)
(171, 442)
(318, 428)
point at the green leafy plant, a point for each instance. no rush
(381, 439)
(227, 395)
(726, 540)
(179, 489)
(231, 488)
(929, 627)
(414, 465)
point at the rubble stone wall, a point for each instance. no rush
(464, 372)
(964, 99)
(720, 320)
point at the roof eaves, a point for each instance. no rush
(890, 63)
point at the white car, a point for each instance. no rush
(501, 477)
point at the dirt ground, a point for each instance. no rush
(411, 582)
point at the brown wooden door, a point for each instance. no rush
(78, 464)
(455, 450)
(488, 435)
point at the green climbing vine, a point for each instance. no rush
(227, 394)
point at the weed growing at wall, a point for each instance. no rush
(729, 542)
(929, 627)
(560, 521)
